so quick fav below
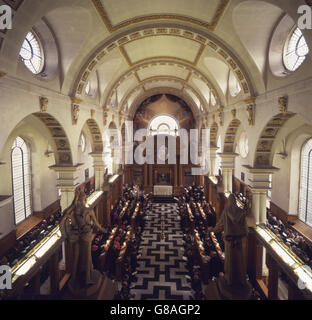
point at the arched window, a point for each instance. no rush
(21, 180)
(163, 125)
(295, 51)
(305, 196)
(32, 54)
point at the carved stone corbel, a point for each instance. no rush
(234, 113)
(206, 119)
(44, 104)
(92, 113)
(221, 115)
(105, 116)
(75, 109)
(283, 104)
(250, 108)
(121, 118)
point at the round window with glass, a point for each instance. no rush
(31, 53)
(296, 50)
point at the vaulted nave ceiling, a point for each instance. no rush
(210, 52)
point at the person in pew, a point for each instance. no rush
(196, 283)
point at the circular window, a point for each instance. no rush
(31, 53)
(83, 143)
(243, 145)
(295, 51)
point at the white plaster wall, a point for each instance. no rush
(86, 160)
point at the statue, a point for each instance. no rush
(234, 284)
(77, 226)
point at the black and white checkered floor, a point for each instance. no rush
(161, 274)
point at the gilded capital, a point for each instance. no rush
(92, 113)
(283, 103)
(43, 104)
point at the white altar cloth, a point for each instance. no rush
(163, 190)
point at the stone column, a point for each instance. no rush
(227, 165)
(259, 183)
(66, 183)
(99, 169)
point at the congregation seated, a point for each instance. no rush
(31, 239)
(200, 255)
(291, 238)
(115, 253)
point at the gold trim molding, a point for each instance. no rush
(241, 74)
(152, 63)
(209, 26)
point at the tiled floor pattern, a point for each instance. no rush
(161, 274)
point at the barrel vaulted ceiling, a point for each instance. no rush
(201, 49)
(163, 44)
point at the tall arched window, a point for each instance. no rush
(21, 180)
(305, 196)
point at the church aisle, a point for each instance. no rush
(161, 274)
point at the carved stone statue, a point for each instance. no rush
(77, 226)
(233, 222)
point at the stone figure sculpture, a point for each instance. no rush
(233, 222)
(77, 226)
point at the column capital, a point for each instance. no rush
(67, 169)
(228, 155)
(261, 170)
(228, 160)
(260, 178)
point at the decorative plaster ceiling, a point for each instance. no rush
(204, 13)
(162, 46)
(179, 47)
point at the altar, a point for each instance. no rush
(163, 190)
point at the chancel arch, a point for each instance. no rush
(140, 98)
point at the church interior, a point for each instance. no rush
(93, 207)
